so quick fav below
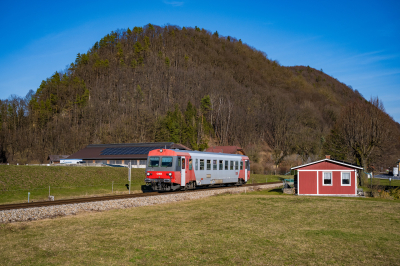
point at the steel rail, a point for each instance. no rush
(111, 197)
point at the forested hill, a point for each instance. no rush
(185, 85)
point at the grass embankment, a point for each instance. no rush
(385, 183)
(64, 182)
(257, 178)
(247, 229)
(69, 181)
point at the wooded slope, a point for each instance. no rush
(186, 85)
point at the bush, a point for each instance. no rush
(395, 193)
(385, 195)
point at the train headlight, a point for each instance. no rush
(170, 174)
(148, 173)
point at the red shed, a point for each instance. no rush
(327, 177)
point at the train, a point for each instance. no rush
(171, 170)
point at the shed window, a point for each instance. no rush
(346, 179)
(214, 164)
(327, 179)
(118, 162)
(142, 162)
(201, 164)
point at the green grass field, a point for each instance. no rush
(258, 228)
(64, 182)
(69, 182)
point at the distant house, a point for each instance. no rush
(327, 177)
(120, 154)
(54, 159)
(226, 149)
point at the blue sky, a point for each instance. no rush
(357, 42)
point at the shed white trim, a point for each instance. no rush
(328, 160)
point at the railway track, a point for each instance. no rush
(104, 198)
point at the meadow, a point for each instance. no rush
(72, 182)
(64, 182)
(258, 228)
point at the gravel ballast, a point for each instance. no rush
(37, 213)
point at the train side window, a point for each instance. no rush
(190, 164)
(236, 165)
(247, 165)
(226, 165)
(231, 165)
(214, 164)
(201, 164)
(208, 164)
(197, 165)
(221, 165)
(241, 165)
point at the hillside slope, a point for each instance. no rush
(168, 83)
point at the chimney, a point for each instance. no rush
(327, 157)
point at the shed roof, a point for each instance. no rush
(122, 150)
(329, 160)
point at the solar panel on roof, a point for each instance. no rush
(128, 150)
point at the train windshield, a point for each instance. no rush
(160, 161)
(166, 161)
(154, 161)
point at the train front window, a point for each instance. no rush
(154, 161)
(166, 161)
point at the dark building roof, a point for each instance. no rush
(226, 149)
(123, 151)
(56, 158)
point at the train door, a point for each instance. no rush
(183, 171)
(247, 167)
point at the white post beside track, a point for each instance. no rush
(129, 176)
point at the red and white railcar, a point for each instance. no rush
(169, 170)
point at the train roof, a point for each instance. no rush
(199, 153)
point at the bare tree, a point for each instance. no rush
(365, 127)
